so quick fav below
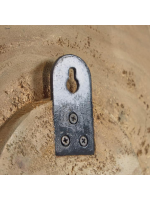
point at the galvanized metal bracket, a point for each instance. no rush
(73, 113)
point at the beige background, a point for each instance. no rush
(119, 60)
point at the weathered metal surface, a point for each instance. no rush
(73, 113)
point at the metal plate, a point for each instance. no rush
(73, 113)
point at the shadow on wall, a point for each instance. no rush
(48, 80)
(42, 81)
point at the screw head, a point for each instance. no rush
(83, 141)
(65, 140)
(73, 118)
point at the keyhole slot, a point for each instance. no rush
(72, 82)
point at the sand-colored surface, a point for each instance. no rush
(119, 60)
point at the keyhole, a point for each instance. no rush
(72, 83)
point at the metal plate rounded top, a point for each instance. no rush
(73, 113)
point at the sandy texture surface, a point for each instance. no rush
(119, 60)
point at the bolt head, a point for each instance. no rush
(65, 140)
(73, 118)
(83, 141)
